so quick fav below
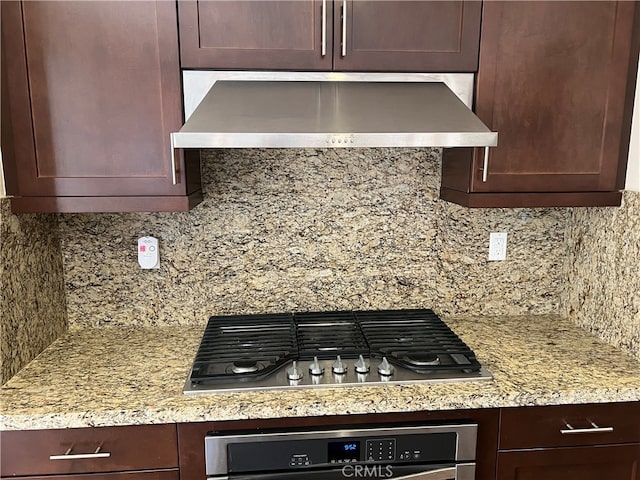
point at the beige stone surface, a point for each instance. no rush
(308, 230)
(32, 298)
(127, 375)
(602, 272)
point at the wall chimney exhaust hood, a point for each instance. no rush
(276, 110)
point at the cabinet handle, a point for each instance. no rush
(76, 456)
(344, 28)
(485, 165)
(174, 178)
(324, 28)
(593, 429)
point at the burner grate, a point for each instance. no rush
(252, 345)
(327, 334)
(416, 339)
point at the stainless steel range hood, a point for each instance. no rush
(339, 111)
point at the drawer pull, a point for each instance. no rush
(78, 456)
(593, 429)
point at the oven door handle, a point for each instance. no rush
(448, 473)
(461, 471)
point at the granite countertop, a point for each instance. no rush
(124, 376)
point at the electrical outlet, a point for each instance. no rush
(497, 246)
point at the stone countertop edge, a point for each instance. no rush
(125, 376)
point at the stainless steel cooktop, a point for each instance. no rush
(322, 349)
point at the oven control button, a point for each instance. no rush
(315, 368)
(385, 368)
(293, 373)
(339, 367)
(361, 365)
(299, 460)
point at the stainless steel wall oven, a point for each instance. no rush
(440, 452)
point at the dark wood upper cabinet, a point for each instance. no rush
(556, 81)
(384, 36)
(248, 35)
(94, 92)
(406, 36)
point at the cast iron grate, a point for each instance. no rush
(244, 348)
(268, 341)
(416, 339)
(327, 334)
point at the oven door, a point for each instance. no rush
(462, 471)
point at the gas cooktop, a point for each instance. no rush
(322, 349)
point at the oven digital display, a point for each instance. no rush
(340, 452)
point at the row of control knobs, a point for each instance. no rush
(340, 368)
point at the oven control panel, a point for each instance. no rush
(379, 450)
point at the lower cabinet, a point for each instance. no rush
(567, 442)
(144, 452)
(570, 442)
(610, 462)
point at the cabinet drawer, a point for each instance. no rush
(42, 452)
(139, 475)
(569, 425)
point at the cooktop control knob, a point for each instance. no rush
(293, 373)
(315, 368)
(338, 367)
(385, 368)
(361, 365)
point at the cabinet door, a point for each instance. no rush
(407, 36)
(94, 92)
(554, 80)
(246, 35)
(619, 462)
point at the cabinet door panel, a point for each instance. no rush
(553, 82)
(407, 36)
(104, 85)
(255, 34)
(619, 462)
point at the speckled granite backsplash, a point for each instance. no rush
(602, 270)
(284, 230)
(32, 303)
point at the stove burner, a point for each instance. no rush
(244, 366)
(422, 359)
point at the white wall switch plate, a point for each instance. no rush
(148, 252)
(497, 246)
